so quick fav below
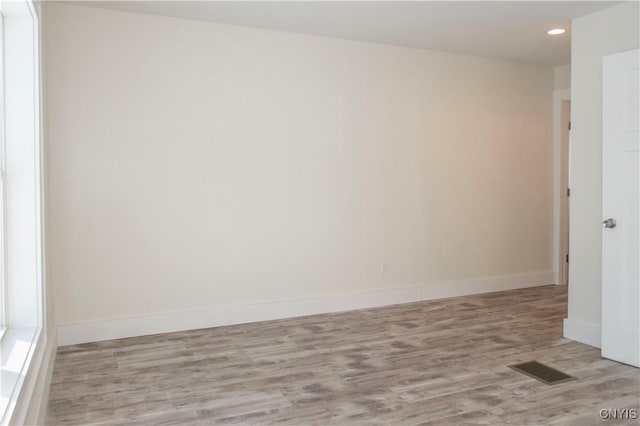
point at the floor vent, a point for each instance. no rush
(541, 372)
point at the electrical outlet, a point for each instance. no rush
(384, 268)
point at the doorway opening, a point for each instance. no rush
(565, 190)
(561, 184)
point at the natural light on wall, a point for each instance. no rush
(21, 275)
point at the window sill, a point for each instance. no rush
(16, 351)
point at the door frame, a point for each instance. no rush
(560, 201)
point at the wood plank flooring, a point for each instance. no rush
(434, 362)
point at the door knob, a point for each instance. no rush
(609, 223)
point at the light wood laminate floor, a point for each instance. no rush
(435, 362)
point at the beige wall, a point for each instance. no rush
(562, 77)
(610, 31)
(194, 165)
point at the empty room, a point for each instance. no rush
(319, 212)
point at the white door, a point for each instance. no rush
(620, 208)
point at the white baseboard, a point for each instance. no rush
(71, 334)
(582, 332)
(484, 285)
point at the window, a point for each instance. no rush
(2, 188)
(21, 267)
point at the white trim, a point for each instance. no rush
(70, 334)
(3, 189)
(19, 349)
(30, 406)
(42, 388)
(582, 332)
(38, 166)
(558, 97)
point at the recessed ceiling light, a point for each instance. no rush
(556, 31)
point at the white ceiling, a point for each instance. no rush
(513, 30)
